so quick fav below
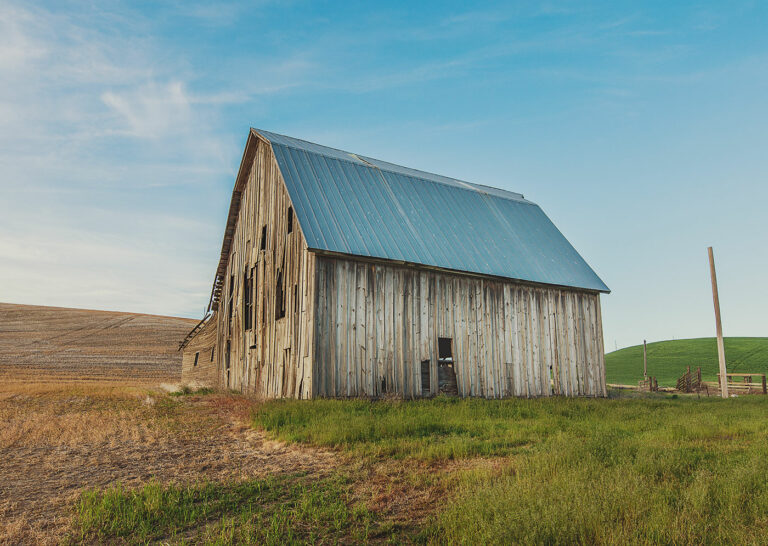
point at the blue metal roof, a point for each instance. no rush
(361, 206)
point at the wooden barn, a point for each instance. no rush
(342, 275)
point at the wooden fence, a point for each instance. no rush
(740, 383)
(650, 385)
(691, 382)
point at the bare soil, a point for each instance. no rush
(59, 343)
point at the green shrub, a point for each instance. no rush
(186, 390)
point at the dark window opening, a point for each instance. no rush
(444, 348)
(383, 385)
(425, 378)
(248, 298)
(279, 296)
(263, 243)
(197, 356)
(264, 311)
(255, 291)
(230, 298)
(295, 298)
(290, 219)
(227, 358)
(212, 351)
(446, 374)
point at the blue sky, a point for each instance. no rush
(640, 128)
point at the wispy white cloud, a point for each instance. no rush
(78, 89)
(150, 111)
(16, 47)
(110, 142)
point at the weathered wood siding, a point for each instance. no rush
(204, 346)
(376, 323)
(273, 358)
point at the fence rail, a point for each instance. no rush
(745, 386)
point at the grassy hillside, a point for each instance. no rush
(60, 343)
(667, 359)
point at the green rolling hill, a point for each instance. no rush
(667, 359)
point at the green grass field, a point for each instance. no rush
(631, 469)
(277, 510)
(667, 359)
(658, 469)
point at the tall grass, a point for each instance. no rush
(442, 428)
(657, 470)
(613, 487)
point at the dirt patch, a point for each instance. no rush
(407, 492)
(58, 343)
(62, 442)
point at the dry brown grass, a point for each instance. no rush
(69, 414)
(58, 439)
(81, 407)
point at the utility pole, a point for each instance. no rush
(645, 361)
(719, 326)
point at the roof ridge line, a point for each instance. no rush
(371, 165)
(462, 184)
(259, 131)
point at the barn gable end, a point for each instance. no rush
(263, 307)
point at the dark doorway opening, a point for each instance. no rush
(425, 378)
(446, 374)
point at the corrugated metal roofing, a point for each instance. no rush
(361, 206)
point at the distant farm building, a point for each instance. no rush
(342, 275)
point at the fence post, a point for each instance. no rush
(645, 361)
